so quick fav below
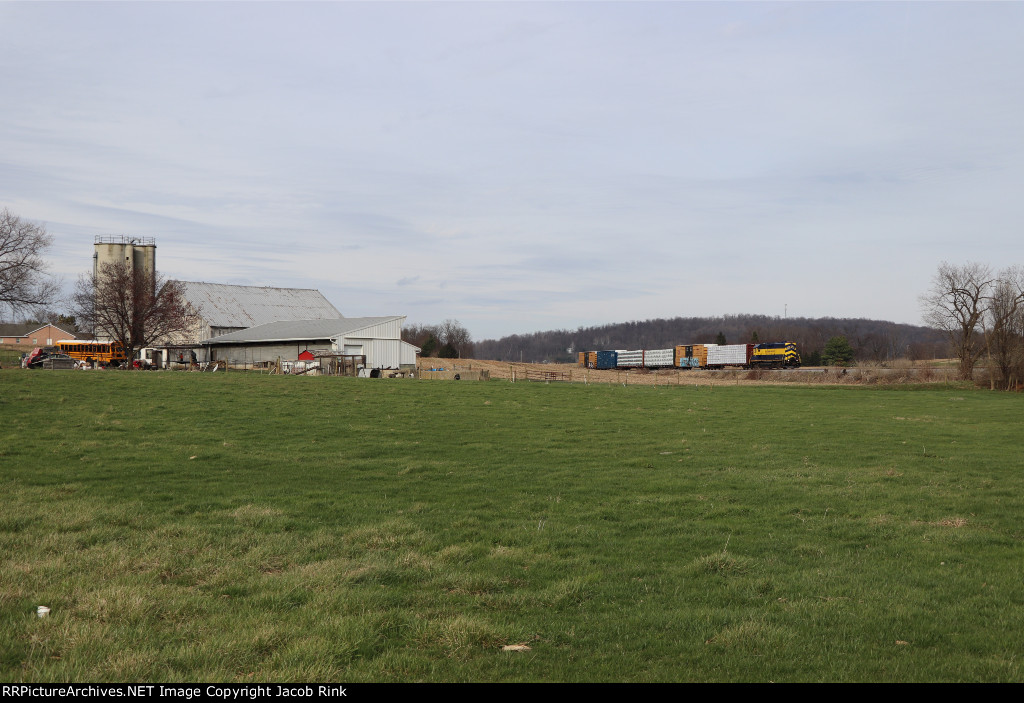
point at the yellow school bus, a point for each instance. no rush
(103, 353)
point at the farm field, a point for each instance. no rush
(896, 373)
(239, 527)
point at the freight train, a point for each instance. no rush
(769, 355)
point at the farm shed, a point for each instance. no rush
(379, 339)
(225, 308)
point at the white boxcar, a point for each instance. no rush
(659, 358)
(630, 359)
(727, 355)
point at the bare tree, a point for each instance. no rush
(452, 334)
(132, 306)
(24, 282)
(1004, 325)
(955, 304)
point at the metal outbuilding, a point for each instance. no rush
(379, 339)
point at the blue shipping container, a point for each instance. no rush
(607, 359)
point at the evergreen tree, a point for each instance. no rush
(429, 346)
(838, 352)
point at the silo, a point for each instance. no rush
(139, 253)
(144, 256)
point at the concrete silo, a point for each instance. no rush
(139, 253)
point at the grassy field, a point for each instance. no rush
(232, 527)
(10, 356)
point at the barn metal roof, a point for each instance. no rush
(223, 305)
(301, 330)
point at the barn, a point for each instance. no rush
(379, 339)
(226, 308)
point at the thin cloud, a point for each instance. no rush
(520, 166)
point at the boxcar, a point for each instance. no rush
(721, 355)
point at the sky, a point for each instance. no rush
(526, 166)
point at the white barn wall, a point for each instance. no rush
(378, 339)
(380, 353)
(386, 353)
(381, 343)
(390, 329)
(408, 354)
(254, 353)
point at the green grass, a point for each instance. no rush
(10, 356)
(233, 527)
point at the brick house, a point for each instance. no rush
(32, 334)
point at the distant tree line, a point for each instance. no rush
(869, 340)
(447, 340)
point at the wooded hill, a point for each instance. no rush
(872, 340)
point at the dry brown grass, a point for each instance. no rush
(864, 374)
